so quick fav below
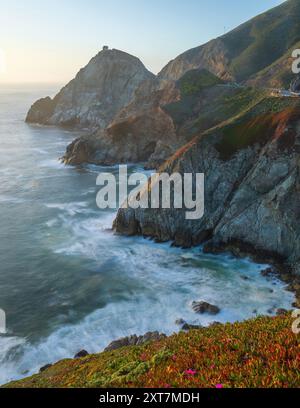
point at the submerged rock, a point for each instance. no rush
(204, 307)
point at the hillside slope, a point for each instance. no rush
(262, 352)
(244, 52)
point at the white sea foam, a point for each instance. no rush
(11, 199)
(53, 164)
(70, 208)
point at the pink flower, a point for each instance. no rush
(190, 372)
(219, 386)
(143, 357)
(212, 366)
(174, 358)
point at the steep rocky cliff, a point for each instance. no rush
(252, 186)
(247, 50)
(140, 132)
(96, 95)
(162, 117)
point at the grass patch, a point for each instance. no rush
(265, 122)
(262, 352)
(194, 81)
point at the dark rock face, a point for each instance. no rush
(81, 354)
(267, 272)
(96, 95)
(204, 307)
(44, 368)
(41, 111)
(135, 340)
(252, 193)
(281, 312)
(188, 327)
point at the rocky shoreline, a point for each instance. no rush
(278, 268)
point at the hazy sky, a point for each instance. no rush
(49, 40)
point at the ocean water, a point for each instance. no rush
(68, 283)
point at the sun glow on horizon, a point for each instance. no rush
(3, 66)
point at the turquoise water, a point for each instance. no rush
(67, 282)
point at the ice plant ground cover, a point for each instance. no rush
(263, 352)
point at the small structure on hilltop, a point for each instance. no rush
(105, 48)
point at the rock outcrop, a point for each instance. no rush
(204, 307)
(252, 186)
(81, 354)
(135, 340)
(96, 95)
(140, 132)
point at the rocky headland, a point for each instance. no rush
(97, 93)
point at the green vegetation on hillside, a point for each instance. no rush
(265, 39)
(262, 352)
(194, 81)
(249, 49)
(258, 125)
(279, 74)
(213, 105)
